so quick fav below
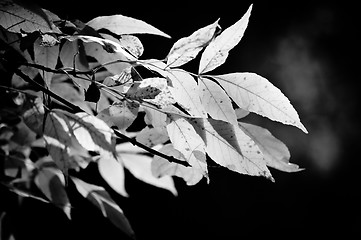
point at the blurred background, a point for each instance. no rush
(310, 50)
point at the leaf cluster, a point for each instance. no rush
(72, 94)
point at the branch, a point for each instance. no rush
(151, 150)
(47, 91)
(117, 133)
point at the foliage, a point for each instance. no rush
(72, 91)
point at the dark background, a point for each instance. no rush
(309, 51)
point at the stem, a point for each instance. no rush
(78, 109)
(47, 91)
(151, 150)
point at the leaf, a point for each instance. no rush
(102, 200)
(108, 45)
(50, 180)
(16, 18)
(256, 94)
(185, 87)
(152, 136)
(96, 51)
(121, 114)
(216, 101)
(33, 116)
(120, 25)
(61, 143)
(112, 171)
(140, 166)
(47, 57)
(91, 132)
(187, 48)
(92, 94)
(132, 44)
(228, 146)
(185, 139)
(276, 152)
(72, 55)
(217, 51)
(161, 167)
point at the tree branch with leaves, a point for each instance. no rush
(75, 91)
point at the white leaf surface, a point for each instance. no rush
(217, 51)
(152, 136)
(185, 87)
(121, 114)
(140, 166)
(112, 171)
(161, 167)
(276, 152)
(256, 94)
(186, 92)
(187, 48)
(61, 143)
(120, 25)
(216, 101)
(186, 140)
(228, 146)
(91, 132)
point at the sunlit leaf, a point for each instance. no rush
(120, 25)
(276, 152)
(132, 44)
(161, 167)
(50, 180)
(256, 94)
(230, 147)
(152, 136)
(185, 87)
(216, 101)
(187, 48)
(102, 200)
(62, 144)
(186, 140)
(91, 132)
(140, 166)
(217, 51)
(121, 114)
(112, 171)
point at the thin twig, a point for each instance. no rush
(78, 109)
(151, 150)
